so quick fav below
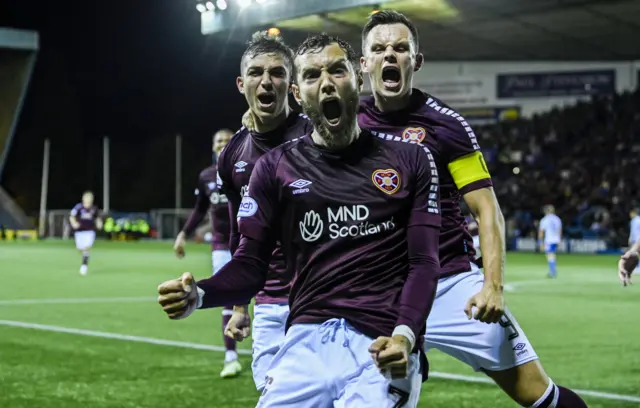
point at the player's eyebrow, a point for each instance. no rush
(339, 62)
(401, 41)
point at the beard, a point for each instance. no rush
(343, 135)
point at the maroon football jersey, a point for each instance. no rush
(86, 217)
(449, 137)
(235, 166)
(208, 197)
(358, 228)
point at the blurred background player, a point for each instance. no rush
(631, 256)
(266, 72)
(85, 220)
(474, 231)
(550, 236)
(208, 198)
(628, 263)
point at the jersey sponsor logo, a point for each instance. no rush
(311, 226)
(301, 186)
(217, 198)
(240, 166)
(414, 134)
(344, 221)
(387, 181)
(248, 207)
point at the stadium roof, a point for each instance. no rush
(495, 29)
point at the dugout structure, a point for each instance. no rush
(18, 50)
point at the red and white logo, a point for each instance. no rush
(414, 134)
(388, 180)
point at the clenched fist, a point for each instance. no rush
(391, 355)
(489, 303)
(178, 246)
(239, 326)
(178, 297)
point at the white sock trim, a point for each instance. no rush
(550, 388)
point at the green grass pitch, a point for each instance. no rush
(584, 326)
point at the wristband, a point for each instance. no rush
(404, 330)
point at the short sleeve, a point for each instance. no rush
(258, 208)
(426, 202)
(462, 153)
(543, 224)
(74, 211)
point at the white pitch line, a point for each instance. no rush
(70, 301)
(207, 347)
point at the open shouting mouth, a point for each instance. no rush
(391, 78)
(332, 111)
(267, 100)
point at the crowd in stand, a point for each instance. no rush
(583, 159)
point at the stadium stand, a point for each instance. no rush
(582, 159)
(18, 50)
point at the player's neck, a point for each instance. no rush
(386, 105)
(273, 123)
(318, 140)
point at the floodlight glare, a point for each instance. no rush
(273, 31)
(222, 4)
(201, 8)
(244, 3)
(210, 6)
(260, 1)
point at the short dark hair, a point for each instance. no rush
(316, 43)
(263, 43)
(388, 17)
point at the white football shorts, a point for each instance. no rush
(84, 239)
(219, 258)
(328, 365)
(493, 347)
(269, 322)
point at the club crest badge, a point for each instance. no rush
(414, 134)
(388, 181)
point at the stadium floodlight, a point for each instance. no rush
(273, 31)
(222, 4)
(210, 6)
(201, 8)
(244, 3)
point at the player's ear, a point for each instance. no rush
(295, 90)
(363, 65)
(240, 84)
(419, 62)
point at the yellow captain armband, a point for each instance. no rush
(468, 169)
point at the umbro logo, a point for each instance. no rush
(240, 166)
(301, 186)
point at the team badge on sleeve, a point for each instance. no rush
(248, 207)
(414, 134)
(388, 181)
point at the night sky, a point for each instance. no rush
(137, 71)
